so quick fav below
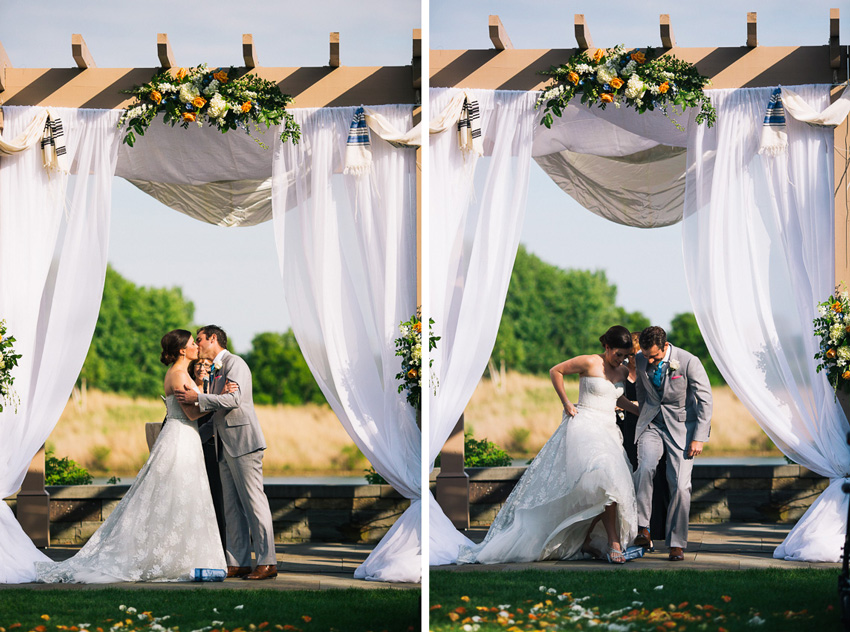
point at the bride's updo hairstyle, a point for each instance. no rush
(617, 337)
(172, 343)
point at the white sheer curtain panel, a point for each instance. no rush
(758, 243)
(54, 231)
(475, 226)
(347, 249)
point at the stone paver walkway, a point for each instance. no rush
(310, 566)
(724, 546)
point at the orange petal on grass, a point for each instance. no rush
(460, 610)
(14, 625)
(46, 617)
(454, 616)
(307, 618)
(726, 598)
(264, 624)
(436, 607)
(39, 628)
(684, 604)
(464, 598)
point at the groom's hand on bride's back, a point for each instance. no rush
(186, 395)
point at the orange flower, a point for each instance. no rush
(830, 353)
(412, 374)
(573, 77)
(418, 328)
(221, 76)
(606, 97)
(616, 83)
(846, 375)
(189, 116)
(181, 74)
(639, 57)
(836, 307)
(664, 87)
(156, 97)
(599, 54)
(199, 102)
(246, 107)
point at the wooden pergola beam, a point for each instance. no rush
(582, 32)
(333, 61)
(752, 28)
(416, 60)
(164, 52)
(80, 52)
(4, 64)
(668, 40)
(498, 34)
(834, 44)
(249, 51)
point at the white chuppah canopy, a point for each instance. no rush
(756, 229)
(350, 277)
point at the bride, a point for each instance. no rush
(577, 497)
(165, 525)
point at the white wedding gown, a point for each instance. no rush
(165, 525)
(581, 469)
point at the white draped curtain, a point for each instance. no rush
(758, 240)
(54, 231)
(347, 248)
(476, 213)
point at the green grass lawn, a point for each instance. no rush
(637, 601)
(22, 610)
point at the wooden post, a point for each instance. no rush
(33, 503)
(249, 52)
(333, 61)
(80, 52)
(668, 40)
(752, 35)
(453, 481)
(164, 52)
(582, 32)
(4, 63)
(498, 34)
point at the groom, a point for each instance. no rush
(248, 518)
(674, 396)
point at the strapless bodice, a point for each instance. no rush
(174, 410)
(597, 393)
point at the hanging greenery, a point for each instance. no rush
(409, 348)
(640, 80)
(8, 361)
(195, 95)
(832, 326)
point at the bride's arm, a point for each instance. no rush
(557, 373)
(628, 405)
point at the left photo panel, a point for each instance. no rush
(210, 316)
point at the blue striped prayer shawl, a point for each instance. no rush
(358, 148)
(774, 139)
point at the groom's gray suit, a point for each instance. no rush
(247, 515)
(668, 421)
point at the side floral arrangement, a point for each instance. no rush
(409, 348)
(636, 79)
(219, 97)
(832, 326)
(8, 361)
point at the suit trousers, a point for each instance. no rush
(248, 519)
(654, 443)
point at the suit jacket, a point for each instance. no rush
(234, 417)
(684, 402)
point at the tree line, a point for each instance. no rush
(124, 352)
(553, 314)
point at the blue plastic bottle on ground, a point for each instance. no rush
(209, 575)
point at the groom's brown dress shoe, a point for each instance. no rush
(676, 554)
(264, 571)
(238, 571)
(644, 539)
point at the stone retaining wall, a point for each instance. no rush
(301, 513)
(721, 493)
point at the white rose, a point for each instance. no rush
(188, 92)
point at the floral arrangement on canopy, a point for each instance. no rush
(409, 347)
(640, 80)
(832, 325)
(218, 96)
(8, 361)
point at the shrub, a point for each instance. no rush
(64, 471)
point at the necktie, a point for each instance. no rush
(658, 375)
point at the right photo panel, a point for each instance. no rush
(637, 264)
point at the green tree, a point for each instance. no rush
(553, 314)
(685, 333)
(124, 352)
(280, 373)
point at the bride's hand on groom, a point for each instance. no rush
(186, 395)
(230, 387)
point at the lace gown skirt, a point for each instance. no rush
(581, 469)
(162, 529)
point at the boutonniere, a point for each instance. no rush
(217, 365)
(673, 366)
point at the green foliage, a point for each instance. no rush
(373, 478)
(64, 471)
(125, 349)
(279, 372)
(685, 333)
(552, 314)
(8, 361)
(481, 453)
